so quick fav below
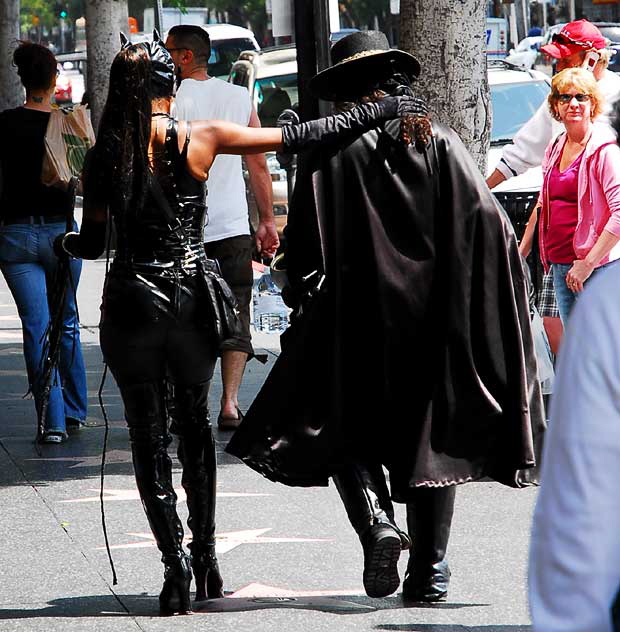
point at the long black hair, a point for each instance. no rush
(119, 167)
(392, 81)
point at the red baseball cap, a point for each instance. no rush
(575, 37)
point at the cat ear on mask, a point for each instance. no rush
(156, 37)
(124, 41)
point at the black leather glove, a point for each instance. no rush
(59, 251)
(89, 243)
(296, 138)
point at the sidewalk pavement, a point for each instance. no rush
(289, 558)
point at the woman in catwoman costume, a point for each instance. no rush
(155, 322)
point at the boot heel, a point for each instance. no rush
(209, 582)
(174, 597)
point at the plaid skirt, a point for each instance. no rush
(545, 300)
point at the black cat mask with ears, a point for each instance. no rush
(163, 70)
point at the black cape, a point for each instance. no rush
(417, 352)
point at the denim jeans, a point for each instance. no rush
(28, 263)
(564, 296)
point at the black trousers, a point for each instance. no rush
(150, 335)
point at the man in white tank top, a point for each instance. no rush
(227, 233)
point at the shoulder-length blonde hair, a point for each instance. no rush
(580, 79)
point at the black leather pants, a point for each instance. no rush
(192, 424)
(143, 353)
(365, 495)
(147, 420)
(196, 453)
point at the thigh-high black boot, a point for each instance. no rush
(429, 517)
(364, 492)
(197, 455)
(146, 418)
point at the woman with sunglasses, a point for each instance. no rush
(580, 197)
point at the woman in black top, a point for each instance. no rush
(149, 171)
(31, 217)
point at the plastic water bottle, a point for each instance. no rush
(270, 312)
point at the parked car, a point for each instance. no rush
(338, 35)
(63, 93)
(516, 94)
(270, 76)
(227, 42)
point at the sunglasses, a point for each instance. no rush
(567, 98)
(567, 41)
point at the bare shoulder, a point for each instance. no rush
(200, 151)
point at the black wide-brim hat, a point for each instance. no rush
(359, 61)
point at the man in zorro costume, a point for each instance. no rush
(410, 346)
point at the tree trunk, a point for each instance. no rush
(105, 19)
(448, 38)
(11, 91)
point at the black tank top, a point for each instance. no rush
(147, 237)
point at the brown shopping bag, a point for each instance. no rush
(68, 137)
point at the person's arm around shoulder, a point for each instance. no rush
(266, 237)
(221, 137)
(210, 138)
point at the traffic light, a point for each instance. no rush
(61, 10)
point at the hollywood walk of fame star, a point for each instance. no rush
(259, 591)
(224, 542)
(132, 494)
(113, 456)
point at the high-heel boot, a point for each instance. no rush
(146, 418)
(197, 455)
(366, 499)
(429, 517)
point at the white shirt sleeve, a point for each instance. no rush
(528, 144)
(574, 565)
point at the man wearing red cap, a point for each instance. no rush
(569, 49)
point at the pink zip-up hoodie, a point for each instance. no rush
(598, 191)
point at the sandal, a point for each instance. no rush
(228, 423)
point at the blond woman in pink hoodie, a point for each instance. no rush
(580, 197)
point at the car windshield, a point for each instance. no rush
(274, 94)
(224, 53)
(513, 105)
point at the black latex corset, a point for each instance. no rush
(148, 237)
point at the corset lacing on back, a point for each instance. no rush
(146, 238)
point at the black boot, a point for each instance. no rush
(145, 413)
(367, 501)
(197, 455)
(429, 517)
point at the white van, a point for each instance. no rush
(496, 38)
